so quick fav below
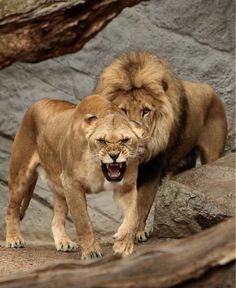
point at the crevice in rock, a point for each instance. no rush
(4, 135)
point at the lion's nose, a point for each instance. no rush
(114, 156)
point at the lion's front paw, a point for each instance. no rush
(66, 246)
(123, 247)
(143, 236)
(15, 242)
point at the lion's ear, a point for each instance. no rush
(89, 118)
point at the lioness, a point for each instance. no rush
(85, 148)
(184, 119)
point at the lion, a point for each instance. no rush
(84, 148)
(185, 119)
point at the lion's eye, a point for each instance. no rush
(125, 140)
(145, 111)
(101, 141)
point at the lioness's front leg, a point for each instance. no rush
(62, 241)
(76, 201)
(126, 198)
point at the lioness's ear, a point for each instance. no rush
(89, 118)
(140, 131)
(164, 84)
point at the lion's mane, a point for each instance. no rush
(140, 71)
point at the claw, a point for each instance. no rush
(66, 246)
(17, 243)
(92, 255)
(148, 234)
(143, 236)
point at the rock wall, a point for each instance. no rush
(196, 37)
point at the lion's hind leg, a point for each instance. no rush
(22, 181)
(211, 142)
(188, 162)
(62, 241)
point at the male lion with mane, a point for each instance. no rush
(84, 148)
(185, 119)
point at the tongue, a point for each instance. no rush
(114, 170)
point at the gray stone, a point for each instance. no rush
(5, 157)
(196, 199)
(37, 223)
(231, 139)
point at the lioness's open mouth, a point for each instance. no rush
(114, 171)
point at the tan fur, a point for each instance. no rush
(65, 142)
(184, 118)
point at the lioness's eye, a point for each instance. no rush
(101, 141)
(125, 140)
(124, 110)
(145, 111)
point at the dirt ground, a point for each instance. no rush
(34, 256)
(38, 254)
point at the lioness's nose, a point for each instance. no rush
(114, 156)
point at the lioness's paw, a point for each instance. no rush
(143, 236)
(124, 248)
(91, 255)
(90, 250)
(66, 246)
(122, 233)
(15, 242)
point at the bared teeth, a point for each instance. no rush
(118, 174)
(114, 165)
(114, 170)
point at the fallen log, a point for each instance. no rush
(168, 265)
(32, 31)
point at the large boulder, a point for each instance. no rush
(196, 199)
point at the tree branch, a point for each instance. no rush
(50, 28)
